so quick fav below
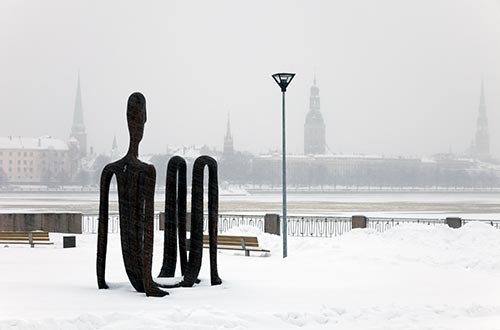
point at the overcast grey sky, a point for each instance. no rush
(395, 76)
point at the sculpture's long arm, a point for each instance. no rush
(102, 238)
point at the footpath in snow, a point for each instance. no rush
(410, 277)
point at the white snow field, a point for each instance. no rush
(410, 277)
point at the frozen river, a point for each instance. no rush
(470, 205)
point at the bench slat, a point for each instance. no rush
(238, 249)
(233, 243)
(26, 242)
(24, 232)
(2, 238)
(18, 235)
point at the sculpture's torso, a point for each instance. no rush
(132, 176)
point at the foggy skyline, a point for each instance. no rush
(395, 77)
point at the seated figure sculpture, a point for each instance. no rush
(136, 186)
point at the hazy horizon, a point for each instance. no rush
(395, 77)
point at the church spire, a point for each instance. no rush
(78, 128)
(228, 139)
(115, 145)
(78, 111)
(114, 148)
(482, 102)
(482, 142)
(228, 126)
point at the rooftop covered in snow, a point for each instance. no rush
(31, 143)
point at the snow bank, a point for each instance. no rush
(411, 277)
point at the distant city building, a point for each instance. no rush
(314, 127)
(45, 160)
(40, 160)
(78, 128)
(373, 171)
(481, 146)
(228, 140)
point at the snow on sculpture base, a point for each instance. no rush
(411, 277)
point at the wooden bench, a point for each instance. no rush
(25, 237)
(237, 243)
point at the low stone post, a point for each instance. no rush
(358, 221)
(272, 224)
(7, 222)
(162, 220)
(69, 242)
(454, 222)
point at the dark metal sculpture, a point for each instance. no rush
(175, 215)
(136, 186)
(177, 225)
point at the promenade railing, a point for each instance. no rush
(381, 224)
(493, 223)
(297, 226)
(90, 223)
(318, 226)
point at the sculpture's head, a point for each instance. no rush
(136, 117)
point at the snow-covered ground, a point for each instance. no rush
(410, 277)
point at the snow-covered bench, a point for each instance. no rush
(237, 243)
(25, 237)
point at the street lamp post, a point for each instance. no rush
(283, 80)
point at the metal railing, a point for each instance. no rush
(90, 223)
(230, 221)
(315, 226)
(297, 226)
(226, 222)
(381, 224)
(494, 223)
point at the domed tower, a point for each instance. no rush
(314, 127)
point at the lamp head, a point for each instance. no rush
(283, 79)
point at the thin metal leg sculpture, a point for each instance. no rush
(196, 249)
(175, 217)
(136, 186)
(193, 265)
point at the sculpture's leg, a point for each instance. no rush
(175, 217)
(213, 218)
(181, 214)
(170, 234)
(102, 236)
(193, 265)
(132, 228)
(150, 286)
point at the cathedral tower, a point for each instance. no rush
(482, 141)
(78, 128)
(314, 127)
